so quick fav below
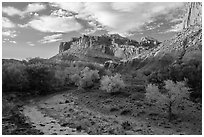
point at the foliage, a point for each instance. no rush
(112, 84)
(61, 77)
(40, 77)
(86, 78)
(190, 71)
(14, 77)
(36, 60)
(174, 95)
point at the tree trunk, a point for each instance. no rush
(170, 111)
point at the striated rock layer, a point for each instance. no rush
(194, 14)
(107, 46)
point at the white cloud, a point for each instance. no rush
(177, 20)
(9, 33)
(55, 24)
(70, 6)
(23, 25)
(11, 11)
(51, 38)
(6, 23)
(30, 43)
(120, 17)
(12, 41)
(34, 7)
(176, 28)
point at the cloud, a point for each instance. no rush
(51, 38)
(119, 16)
(177, 20)
(176, 28)
(55, 24)
(9, 33)
(6, 23)
(12, 41)
(30, 43)
(70, 6)
(11, 11)
(22, 25)
(33, 7)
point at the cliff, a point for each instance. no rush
(107, 46)
(193, 15)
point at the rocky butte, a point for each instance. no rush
(107, 45)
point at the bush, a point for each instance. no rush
(40, 77)
(14, 77)
(62, 77)
(86, 78)
(190, 71)
(174, 95)
(112, 84)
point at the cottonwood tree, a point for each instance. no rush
(112, 84)
(174, 94)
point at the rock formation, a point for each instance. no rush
(194, 14)
(108, 45)
(149, 42)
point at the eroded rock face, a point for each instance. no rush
(111, 45)
(193, 15)
(64, 46)
(149, 42)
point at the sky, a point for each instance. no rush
(36, 29)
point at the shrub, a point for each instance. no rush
(191, 71)
(61, 77)
(40, 77)
(112, 84)
(14, 77)
(75, 79)
(174, 95)
(86, 78)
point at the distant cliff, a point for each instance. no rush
(111, 45)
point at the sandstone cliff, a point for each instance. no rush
(194, 14)
(107, 46)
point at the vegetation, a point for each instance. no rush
(112, 84)
(40, 77)
(190, 71)
(174, 94)
(14, 77)
(86, 78)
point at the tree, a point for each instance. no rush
(174, 94)
(40, 77)
(14, 77)
(86, 78)
(112, 84)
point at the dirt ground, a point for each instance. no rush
(96, 112)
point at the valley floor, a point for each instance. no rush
(96, 112)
